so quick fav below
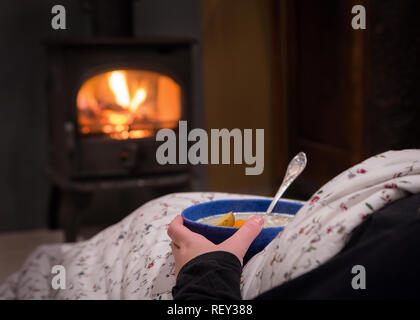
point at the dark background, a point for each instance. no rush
(24, 187)
(294, 68)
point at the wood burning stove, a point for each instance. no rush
(107, 100)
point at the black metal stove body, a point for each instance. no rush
(82, 164)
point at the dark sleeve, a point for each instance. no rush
(213, 275)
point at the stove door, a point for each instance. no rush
(118, 115)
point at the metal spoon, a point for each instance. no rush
(295, 168)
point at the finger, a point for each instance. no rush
(178, 232)
(242, 239)
(174, 225)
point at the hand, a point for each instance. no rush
(187, 245)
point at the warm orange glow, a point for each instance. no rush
(128, 104)
(137, 134)
(138, 99)
(124, 135)
(116, 118)
(85, 130)
(107, 129)
(118, 85)
(120, 128)
(134, 134)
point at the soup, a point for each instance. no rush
(274, 220)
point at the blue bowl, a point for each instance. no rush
(219, 234)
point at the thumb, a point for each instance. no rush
(178, 232)
(239, 243)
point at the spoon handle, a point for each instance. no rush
(294, 169)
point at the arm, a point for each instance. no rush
(213, 275)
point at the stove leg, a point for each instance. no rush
(54, 207)
(73, 204)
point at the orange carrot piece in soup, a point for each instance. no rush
(238, 223)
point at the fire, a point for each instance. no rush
(128, 104)
(118, 85)
(133, 134)
(117, 119)
(138, 99)
(107, 128)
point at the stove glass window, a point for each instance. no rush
(128, 104)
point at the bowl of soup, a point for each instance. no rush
(200, 218)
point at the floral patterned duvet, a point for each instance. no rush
(132, 259)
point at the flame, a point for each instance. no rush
(117, 119)
(120, 128)
(128, 104)
(118, 84)
(138, 99)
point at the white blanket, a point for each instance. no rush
(132, 259)
(323, 226)
(129, 260)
